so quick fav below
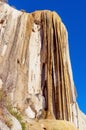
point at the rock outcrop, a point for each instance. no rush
(35, 69)
(81, 120)
(51, 125)
(8, 121)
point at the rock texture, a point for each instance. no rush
(82, 120)
(35, 69)
(51, 125)
(7, 121)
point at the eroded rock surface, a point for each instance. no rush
(35, 69)
(8, 121)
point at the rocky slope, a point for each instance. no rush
(82, 120)
(51, 125)
(8, 121)
(35, 70)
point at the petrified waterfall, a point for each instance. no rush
(35, 69)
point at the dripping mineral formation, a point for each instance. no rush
(35, 69)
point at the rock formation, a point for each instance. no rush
(35, 69)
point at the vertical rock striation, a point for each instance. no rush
(35, 69)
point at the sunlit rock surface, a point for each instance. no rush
(7, 121)
(35, 69)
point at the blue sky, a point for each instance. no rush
(73, 14)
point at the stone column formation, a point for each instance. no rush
(35, 69)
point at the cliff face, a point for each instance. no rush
(35, 69)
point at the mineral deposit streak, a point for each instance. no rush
(35, 69)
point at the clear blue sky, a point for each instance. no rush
(73, 14)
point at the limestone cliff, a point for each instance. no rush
(35, 69)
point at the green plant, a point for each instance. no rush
(23, 125)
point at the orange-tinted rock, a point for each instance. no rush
(35, 65)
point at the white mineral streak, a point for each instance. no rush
(7, 26)
(29, 112)
(16, 124)
(39, 103)
(73, 109)
(1, 83)
(82, 120)
(67, 60)
(4, 50)
(34, 81)
(73, 106)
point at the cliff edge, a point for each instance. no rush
(35, 71)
